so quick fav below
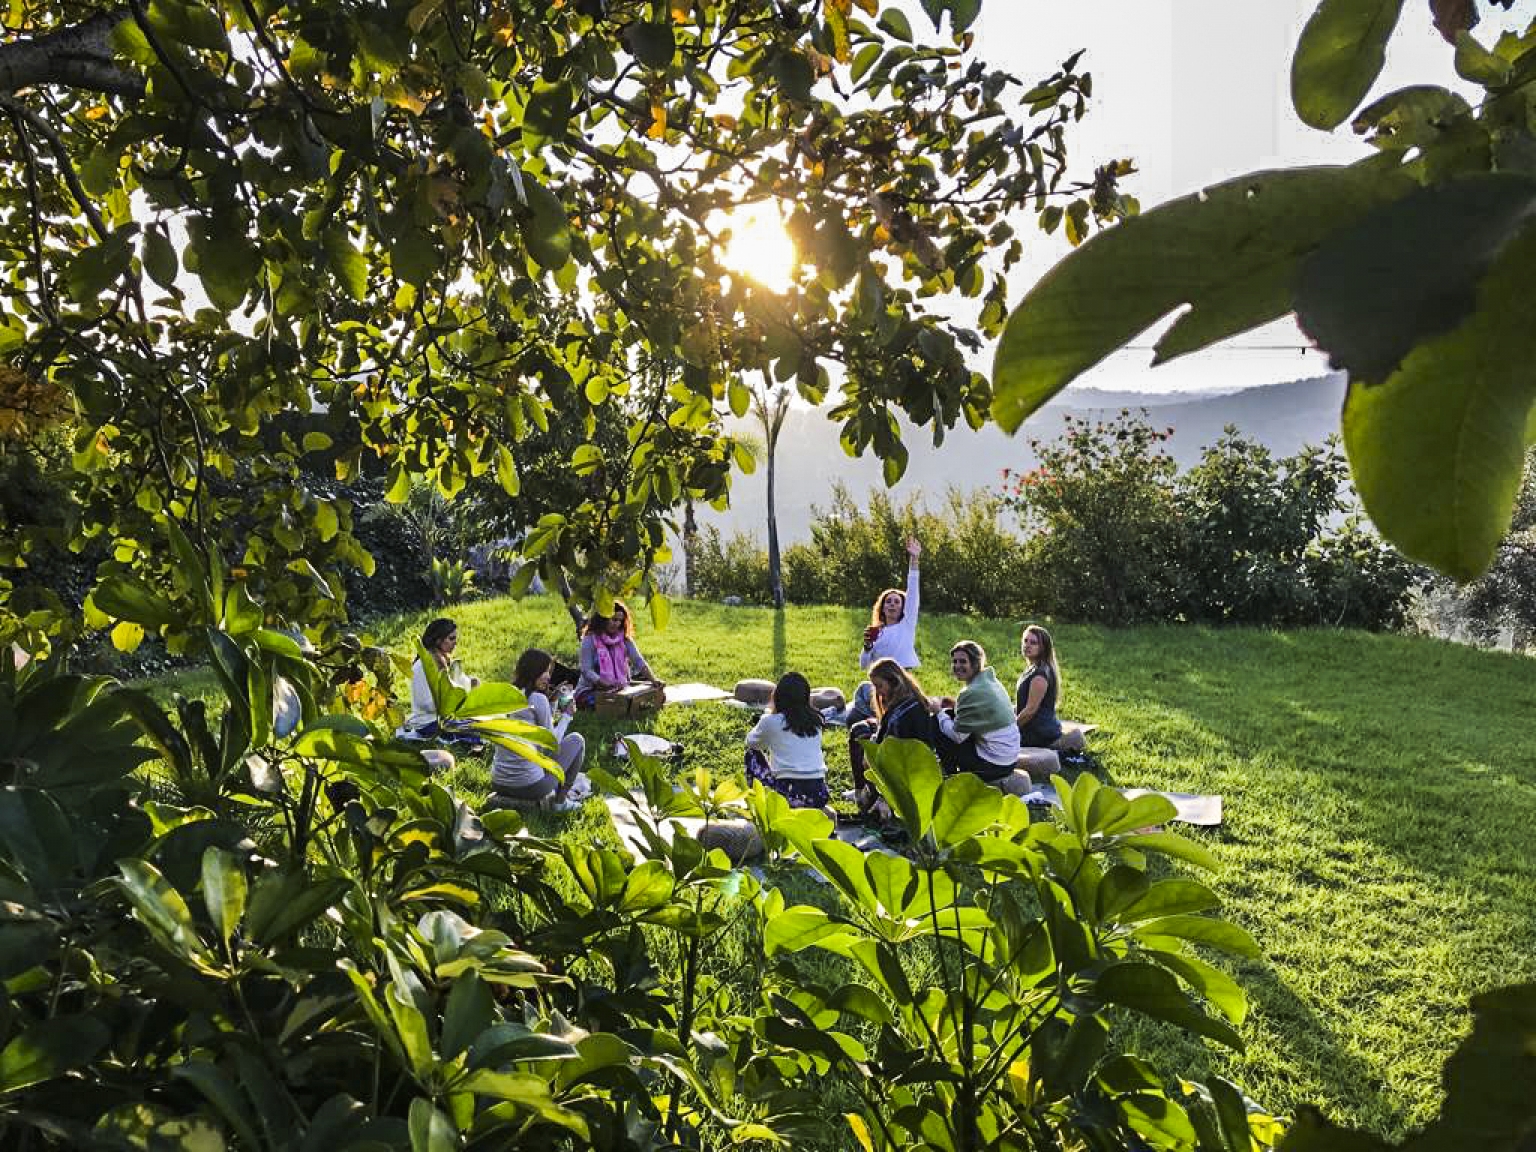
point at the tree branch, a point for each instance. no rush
(79, 56)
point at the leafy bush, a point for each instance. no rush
(722, 566)
(286, 935)
(970, 563)
(1118, 535)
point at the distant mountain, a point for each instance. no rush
(1284, 417)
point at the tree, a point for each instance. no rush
(770, 405)
(458, 222)
(1412, 268)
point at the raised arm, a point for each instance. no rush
(909, 609)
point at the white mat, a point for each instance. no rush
(693, 693)
(1191, 807)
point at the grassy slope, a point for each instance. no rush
(1379, 795)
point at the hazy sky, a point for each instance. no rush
(1196, 91)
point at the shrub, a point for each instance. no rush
(735, 565)
(971, 563)
(1119, 536)
(1103, 522)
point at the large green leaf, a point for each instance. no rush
(966, 806)
(547, 229)
(223, 890)
(98, 267)
(50, 1049)
(1340, 54)
(908, 776)
(1409, 270)
(1230, 253)
(1437, 450)
(162, 910)
(1151, 990)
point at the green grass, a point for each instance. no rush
(1379, 793)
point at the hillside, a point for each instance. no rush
(1285, 417)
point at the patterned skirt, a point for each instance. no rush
(799, 793)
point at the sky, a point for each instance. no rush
(1196, 91)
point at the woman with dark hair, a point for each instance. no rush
(610, 661)
(516, 777)
(784, 748)
(901, 710)
(980, 735)
(440, 639)
(1038, 690)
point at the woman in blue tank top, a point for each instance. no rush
(1038, 689)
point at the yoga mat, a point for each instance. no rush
(693, 693)
(1192, 807)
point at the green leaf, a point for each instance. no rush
(1341, 52)
(908, 776)
(546, 114)
(468, 1013)
(1230, 253)
(864, 60)
(1210, 982)
(652, 43)
(894, 21)
(413, 256)
(1179, 847)
(1409, 270)
(228, 264)
(546, 231)
(1168, 898)
(506, 471)
(225, 1096)
(1150, 990)
(1477, 64)
(223, 891)
(51, 1048)
(966, 806)
(94, 270)
(161, 909)
(430, 1128)
(282, 902)
(317, 442)
(661, 610)
(347, 263)
(159, 258)
(1437, 451)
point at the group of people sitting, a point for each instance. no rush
(979, 730)
(609, 662)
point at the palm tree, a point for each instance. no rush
(771, 405)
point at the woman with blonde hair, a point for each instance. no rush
(901, 710)
(1038, 690)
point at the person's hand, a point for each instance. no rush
(933, 704)
(914, 549)
(870, 635)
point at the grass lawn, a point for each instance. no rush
(1379, 791)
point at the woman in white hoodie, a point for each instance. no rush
(891, 635)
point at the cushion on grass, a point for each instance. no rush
(1038, 762)
(753, 691)
(1016, 783)
(1074, 736)
(824, 698)
(738, 839)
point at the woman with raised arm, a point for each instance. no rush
(784, 748)
(891, 635)
(518, 778)
(1038, 690)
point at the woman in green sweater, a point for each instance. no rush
(980, 734)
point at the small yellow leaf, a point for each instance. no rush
(126, 636)
(725, 120)
(860, 1131)
(682, 11)
(872, 7)
(658, 127)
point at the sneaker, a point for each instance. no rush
(566, 805)
(851, 796)
(580, 789)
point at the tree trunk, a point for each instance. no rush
(775, 574)
(690, 532)
(578, 617)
